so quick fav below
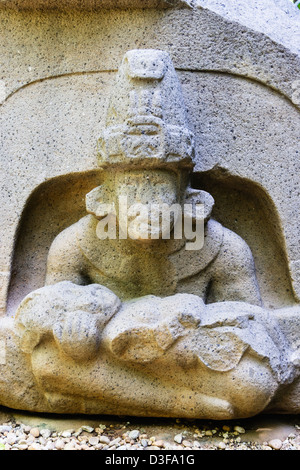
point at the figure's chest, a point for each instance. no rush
(135, 277)
(132, 273)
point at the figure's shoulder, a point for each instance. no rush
(235, 250)
(67, 238)
(65, 259)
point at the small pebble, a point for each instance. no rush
(11, 438)
(159, 443)
(104, 440)
(114, 441)
(239, 429)
(178, 438)
(187, 443)
(35, 432)
(70, 446)
(94, 441)
(59, 444)
(134, 434)
(23, 442)
(276, 444)
(222, 445)
(87, 429)
(84, 447)
(4, 429)
(23, 447)
(35, 446)
(46, 433)
(49, 446)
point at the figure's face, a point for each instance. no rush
(143, 194)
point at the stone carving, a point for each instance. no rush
(146, 156)
(147, 324)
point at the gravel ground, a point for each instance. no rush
(15, 435)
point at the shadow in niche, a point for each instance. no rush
(240, 205)
(53, 206)
(245, 208)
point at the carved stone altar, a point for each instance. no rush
(134, 317)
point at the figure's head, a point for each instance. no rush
(146, 194)
(146, 149)
(139, 199)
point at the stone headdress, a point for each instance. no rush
(146, 125)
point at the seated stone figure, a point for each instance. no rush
(133, 318)
(223, 269)
(146, 158)
(149, 173)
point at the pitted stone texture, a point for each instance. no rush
(152, 326)
(63, 83)
(73, 315)
(93, 4)
(56, 50)
(279, 19)
(146, 121)
(147, 162)
(250, 355)
(172, 357)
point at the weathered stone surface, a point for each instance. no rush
(182, 338)
(93, 4)
(75, 324)
(265, 124)
(123, 321)
(279, 19)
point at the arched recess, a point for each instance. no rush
(240, 205)
(53, 206)
(244, 207)
(239, 124)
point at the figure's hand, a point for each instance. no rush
(72, 314)
(31, 324)
(78, 335)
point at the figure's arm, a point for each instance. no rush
(234, 277)
(65, 260)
